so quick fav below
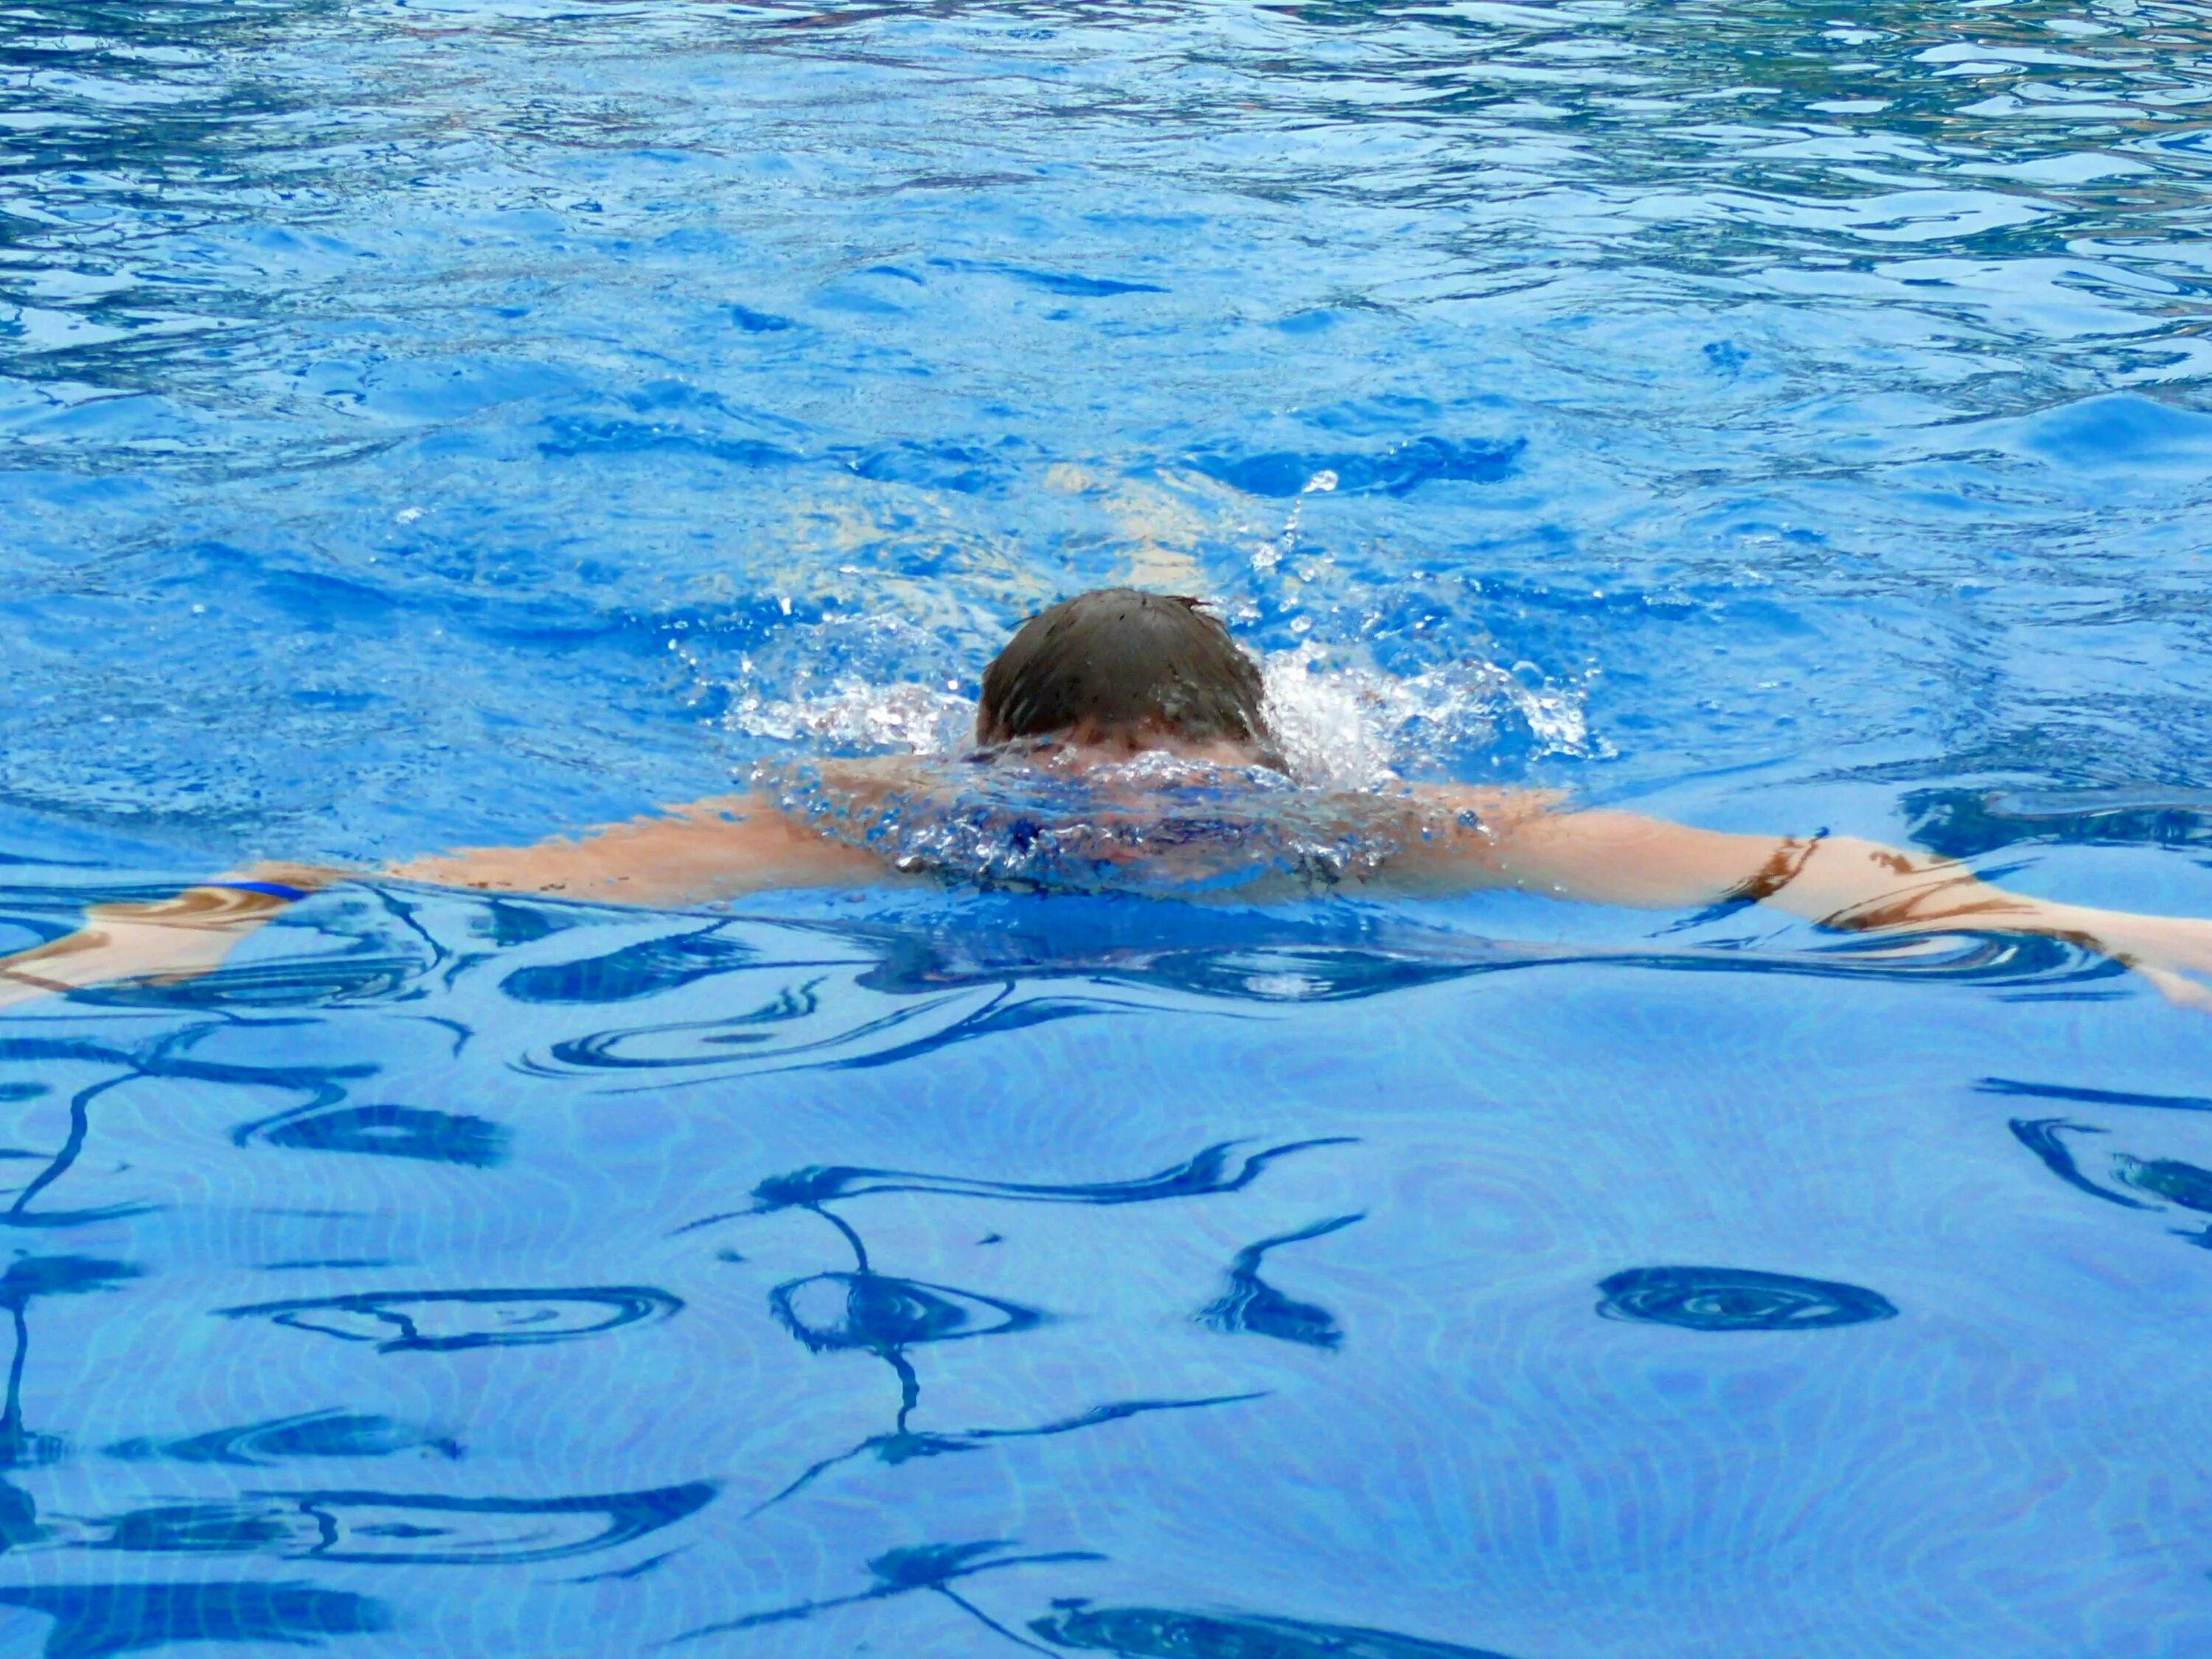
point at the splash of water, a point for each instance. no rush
(1339, 727)
(1349, 727)
(856, 716)
(892, 687)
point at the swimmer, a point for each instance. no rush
(1137, 698)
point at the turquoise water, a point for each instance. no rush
(426, 424)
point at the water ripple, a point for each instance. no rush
(1156, 1634)
(878, 1314)
(399, 1528)
(402, 1322)
(324, 333)
(456, 422)
(1252, 1304)
(97, 1621)
(311, 1434)
(1737, 1299)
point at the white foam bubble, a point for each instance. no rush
(1340, 725)
(900, 719)
(1344, 726)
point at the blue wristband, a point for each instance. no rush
(276, 889)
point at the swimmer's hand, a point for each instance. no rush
(2174, 953)
(160, 943)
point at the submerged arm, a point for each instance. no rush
(710, 849)
(163, 941)
(1840, 882)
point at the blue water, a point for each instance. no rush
(437, 423)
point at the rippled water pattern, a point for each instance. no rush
(428, 423)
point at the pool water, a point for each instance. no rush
(428, 424)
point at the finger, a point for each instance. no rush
(2178, 989)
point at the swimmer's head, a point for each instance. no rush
(1120, 669)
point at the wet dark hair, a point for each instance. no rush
(1118, 662)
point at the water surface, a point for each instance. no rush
(439, 424)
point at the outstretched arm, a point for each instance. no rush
(710, 849)
(1838, 881)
